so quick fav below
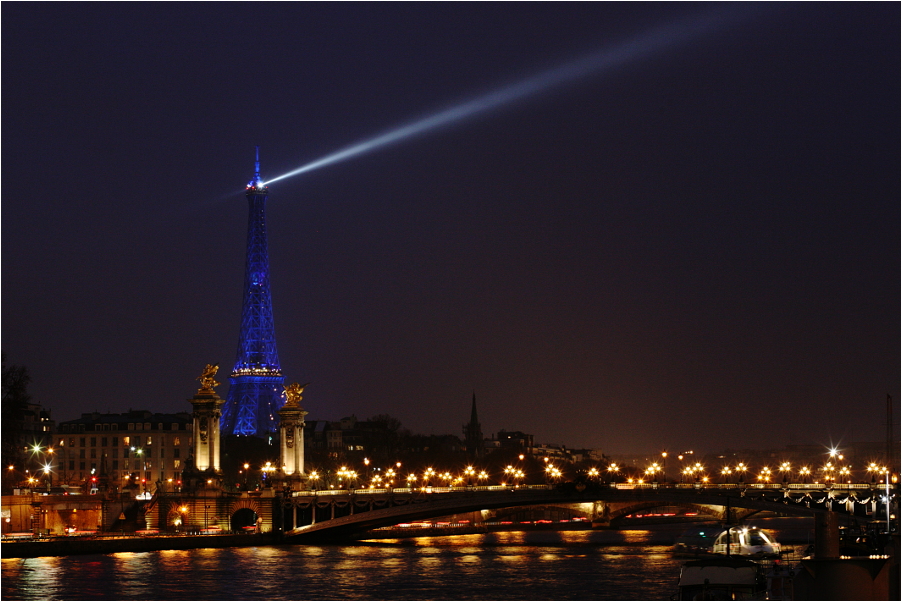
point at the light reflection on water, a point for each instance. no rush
(540, 565)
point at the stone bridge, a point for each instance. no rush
(337, 514)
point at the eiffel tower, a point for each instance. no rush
(255, 384)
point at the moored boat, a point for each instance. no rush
(739, 541)
(722, 578)
(751, 542)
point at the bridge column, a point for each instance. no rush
(826, 535)
(601, 514)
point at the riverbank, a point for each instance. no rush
(72, 546)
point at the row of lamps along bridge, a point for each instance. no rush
(834, 470)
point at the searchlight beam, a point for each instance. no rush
(649, 43)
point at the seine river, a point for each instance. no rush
(536, 565)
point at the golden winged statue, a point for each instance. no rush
(207, 382)
(293, 394)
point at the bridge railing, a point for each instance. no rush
(619, 486)
(776, 486)
(410, 490)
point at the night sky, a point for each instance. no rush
(697, 248)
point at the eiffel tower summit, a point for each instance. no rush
(256, 382)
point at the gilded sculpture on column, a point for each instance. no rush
(293, 394)
(207, 382)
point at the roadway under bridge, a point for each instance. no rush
(334, 515)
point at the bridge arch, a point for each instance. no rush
(553, 512)
(410, 506)
(616, 513)
(243, 514)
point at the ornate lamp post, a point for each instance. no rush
(613, 469)
(482, 476)
(653, 470)
(390, 477)
(804, 473)
(786, 469)
(469, 473)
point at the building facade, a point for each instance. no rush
(119, 450)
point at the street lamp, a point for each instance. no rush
(804, 472)
(427, 476)
(470, 472)
(448, 477)
(845, 473)
(313, 476)
(785, 468)
(390, 475)
(509, 471)
(653, 470)
(725, 471)
(48, 472)
(180, 519)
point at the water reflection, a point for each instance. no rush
(539, 565)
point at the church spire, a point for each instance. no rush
(473, 434)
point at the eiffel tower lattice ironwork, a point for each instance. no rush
(256, 383)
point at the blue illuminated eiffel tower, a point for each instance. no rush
(255, 391)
